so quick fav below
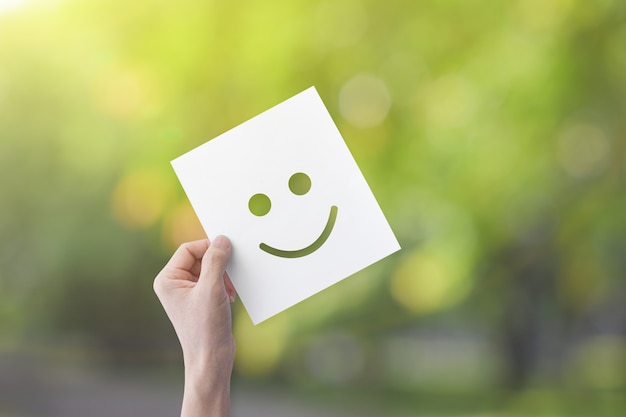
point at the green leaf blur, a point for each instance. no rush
(493, 134)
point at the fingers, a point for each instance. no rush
(184, 264)
(214, 263)
(189, 257)
(188, 254)
(230, 288)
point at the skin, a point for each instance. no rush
(196, 293)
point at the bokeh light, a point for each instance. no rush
(364, 100)
(140, 198)
(584, 151)
(491, 133)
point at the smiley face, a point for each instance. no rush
(289, 242)
(299, 184)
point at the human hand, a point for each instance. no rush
(195, 292)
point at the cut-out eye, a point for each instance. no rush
(259, 204)
(299, 183)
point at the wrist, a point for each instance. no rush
(206, 397)
(207, 388)
(204, 359)
(208, 372)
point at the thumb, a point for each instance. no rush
(214, 263)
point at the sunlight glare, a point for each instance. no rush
(8, 5)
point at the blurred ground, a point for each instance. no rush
(33, 387)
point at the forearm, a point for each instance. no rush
(196, 294)
(207, 393)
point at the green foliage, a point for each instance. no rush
(492, 134)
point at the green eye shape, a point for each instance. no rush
(259, 204)
(299, 183)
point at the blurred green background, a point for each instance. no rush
(493, 134)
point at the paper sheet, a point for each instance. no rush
(285, 189)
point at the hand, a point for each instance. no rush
(195, 292)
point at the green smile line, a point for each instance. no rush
(309, 249)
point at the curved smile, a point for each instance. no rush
(309, 249)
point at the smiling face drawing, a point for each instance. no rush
(299, 184)
(274, 186)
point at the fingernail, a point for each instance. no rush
(231, 298)
(221, 242)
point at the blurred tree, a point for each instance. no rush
(492, 133)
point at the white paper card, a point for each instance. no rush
(285, 189)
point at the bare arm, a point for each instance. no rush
(196, 293)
